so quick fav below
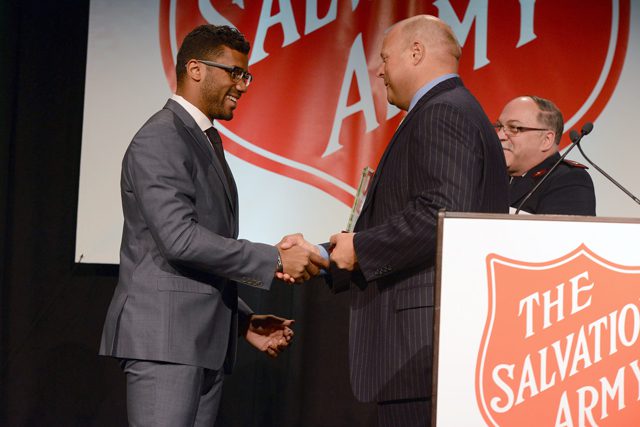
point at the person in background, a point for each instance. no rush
(530, 129)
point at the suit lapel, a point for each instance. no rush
(441, 87)
(204, 145)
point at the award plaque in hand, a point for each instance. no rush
(361, 195)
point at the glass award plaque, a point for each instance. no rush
(361, 195)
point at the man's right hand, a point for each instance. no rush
(301, 260)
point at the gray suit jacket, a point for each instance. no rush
(445, 154)
(180, 259)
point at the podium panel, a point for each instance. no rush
(537, 321)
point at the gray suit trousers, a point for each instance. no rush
(169, 394)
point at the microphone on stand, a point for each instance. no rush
(574, 135)
(587, 128)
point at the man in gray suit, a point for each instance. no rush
(444, 154)
(175, 313)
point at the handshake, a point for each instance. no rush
(302, 260)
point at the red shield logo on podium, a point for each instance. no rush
(316, 111)
(560, 344)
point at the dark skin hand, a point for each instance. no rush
(300, 264)
(268, 333)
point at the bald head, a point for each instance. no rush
(435, 34)
(414, 52)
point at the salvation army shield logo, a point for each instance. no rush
(560, 345)
(317, 113)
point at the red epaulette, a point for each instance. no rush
(575, 164)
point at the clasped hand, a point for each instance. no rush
(301, 260)
(306, 260)
(268, 333)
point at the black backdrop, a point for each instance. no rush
(51, 309)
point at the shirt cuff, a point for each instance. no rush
(324, 254)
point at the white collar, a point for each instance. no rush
(201, 119)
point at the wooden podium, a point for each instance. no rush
(537, 321)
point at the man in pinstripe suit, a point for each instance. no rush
(445, 154)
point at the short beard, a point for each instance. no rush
(223, 115)
(215, 109)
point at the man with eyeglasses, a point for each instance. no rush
(175, 313)
(530, 129)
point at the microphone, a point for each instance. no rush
(585, 130)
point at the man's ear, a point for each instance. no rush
(549, 141)
(417, 52)
(194, 70)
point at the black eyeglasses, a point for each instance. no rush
(511, 130)
(236, 72)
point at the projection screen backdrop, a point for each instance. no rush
(316, 113)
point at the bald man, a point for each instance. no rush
(445, 154)
(530, 129)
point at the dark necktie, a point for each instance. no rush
(216, 142)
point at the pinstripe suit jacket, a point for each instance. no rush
(180, 260)
(445, 154)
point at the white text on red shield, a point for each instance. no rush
(476, 12)
(572, 354)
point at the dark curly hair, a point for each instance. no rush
(206, 41)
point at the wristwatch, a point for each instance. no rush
(279, 267)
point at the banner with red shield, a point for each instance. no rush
(560, 343)
(317, 112)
